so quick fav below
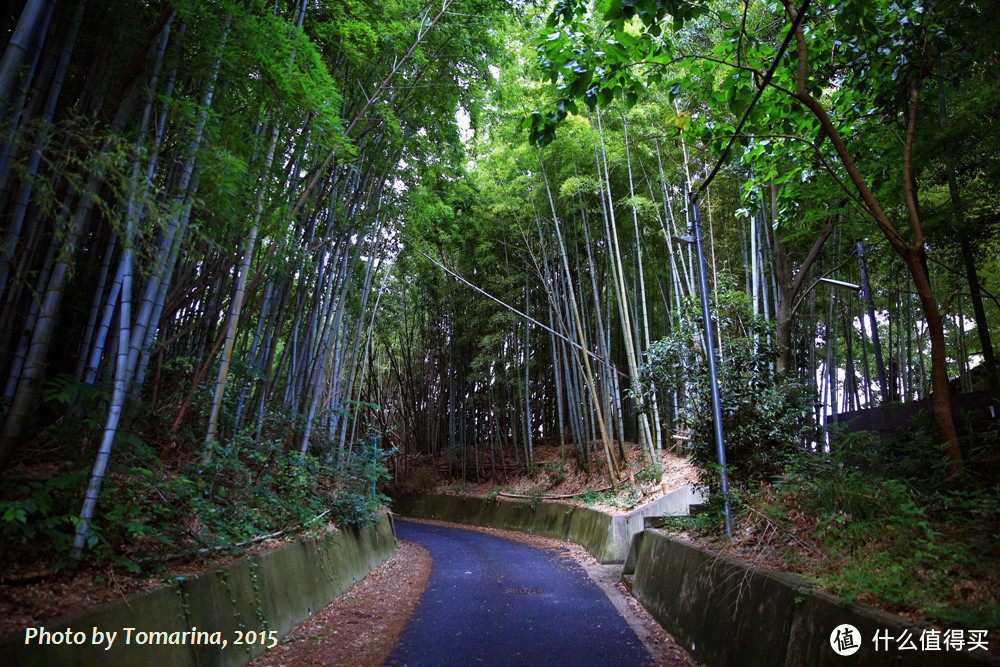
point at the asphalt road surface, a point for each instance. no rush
(493, 601)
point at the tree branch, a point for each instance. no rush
(802, 95)
(908, 193)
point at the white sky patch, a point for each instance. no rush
(465, 131)
(398, 185)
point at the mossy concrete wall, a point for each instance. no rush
(586, 527)
(605, 536)
(726, 613)
(271, 591)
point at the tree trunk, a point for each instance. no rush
(911, 253)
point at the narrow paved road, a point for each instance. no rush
(493, 601)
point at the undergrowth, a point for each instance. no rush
(879, 527)
(628, 495)
(149, 512)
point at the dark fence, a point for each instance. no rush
(974, 412)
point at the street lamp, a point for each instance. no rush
(841, 284)
(694, 236)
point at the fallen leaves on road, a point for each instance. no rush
(361, 627)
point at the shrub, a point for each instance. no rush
(764, 415)
(247, 489)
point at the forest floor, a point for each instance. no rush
(554, 476)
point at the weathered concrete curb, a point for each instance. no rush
(727, 613)
(675, 503)
(271, 591)
(605, 536)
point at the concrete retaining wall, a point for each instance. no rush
(624, 526)
(586, 527)
(726, 613)
(605, 536)
(271, 591)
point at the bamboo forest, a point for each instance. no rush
(265, 263)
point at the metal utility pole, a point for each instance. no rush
(706, 315)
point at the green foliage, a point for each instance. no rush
(627, 496)
(534, 493)
(245, 491)
(708, 521)
(648, 473)
(358, 508)
(599, 66)
(911, 453)
(555, 471)
(86, 401)
(908, 544)
(35, 512)
(763, 414)
(360, 502)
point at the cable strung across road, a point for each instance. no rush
(494, 601)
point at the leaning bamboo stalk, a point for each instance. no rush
(618, 273)
(122, 374)
(134, 208)
(237, 304)
(29, 382)
(612, 465)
